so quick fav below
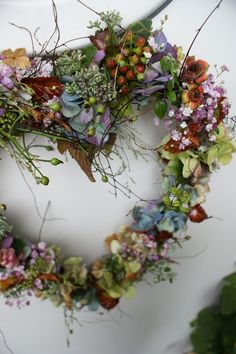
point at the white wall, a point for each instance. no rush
(157, 321)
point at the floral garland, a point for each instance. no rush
(81, 99)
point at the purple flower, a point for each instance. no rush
(38, 284)
(5, 76)
(6, 242)
(99, 56)
(2, 111)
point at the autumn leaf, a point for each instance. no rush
(45, 88)
(106, 300)
(62, 146)
(83, 160)
(8, 283)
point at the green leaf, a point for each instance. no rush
(89, 53)
(204, 337)
(225, 147)
(133, 267)
(115, 292)
(171, 95)
(212, 155)
(225, 159)
(165, 64)
(160, 108)
(190, 165)
(18, 245)
(130, 293)
(228, 301)
(142, 28)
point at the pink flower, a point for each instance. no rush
(8, 258)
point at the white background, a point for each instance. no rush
(157, 321)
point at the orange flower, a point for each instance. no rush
(17, 58)
(195, 70)
(194, 96)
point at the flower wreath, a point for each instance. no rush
(80, 99)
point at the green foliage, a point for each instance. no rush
(223, 148)
(142, 28)
(215, 327)
(89, 53)
(160, 108)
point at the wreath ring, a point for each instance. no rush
(80, 100)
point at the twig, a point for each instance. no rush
(30, 34)
(43, 220)
(88, 7)
(198, 31)
(5, 342)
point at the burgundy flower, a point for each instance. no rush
(195, 71)
(194, 96)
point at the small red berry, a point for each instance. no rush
(197, 214)
(123, 69)
(140, 68)
(125, 90)
(121, 80)
(130, 75)
(140, 41)
(111, 63)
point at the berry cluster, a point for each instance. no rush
(129, 63)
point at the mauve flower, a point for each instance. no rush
(5, 76)
(195, 71)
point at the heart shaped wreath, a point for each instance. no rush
(80, 100)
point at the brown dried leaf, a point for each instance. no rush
(45, 88)
(62, 146)
(83, 160)
(8, 283)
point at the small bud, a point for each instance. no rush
(44, 180)
(55, 106)
(54, 161)
(100, 109)
(92, 100)
(91, 131)
(104, 179)
(140, 77)
(3, 207)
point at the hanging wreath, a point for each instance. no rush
(81, 100)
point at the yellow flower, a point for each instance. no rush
(17, 58)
